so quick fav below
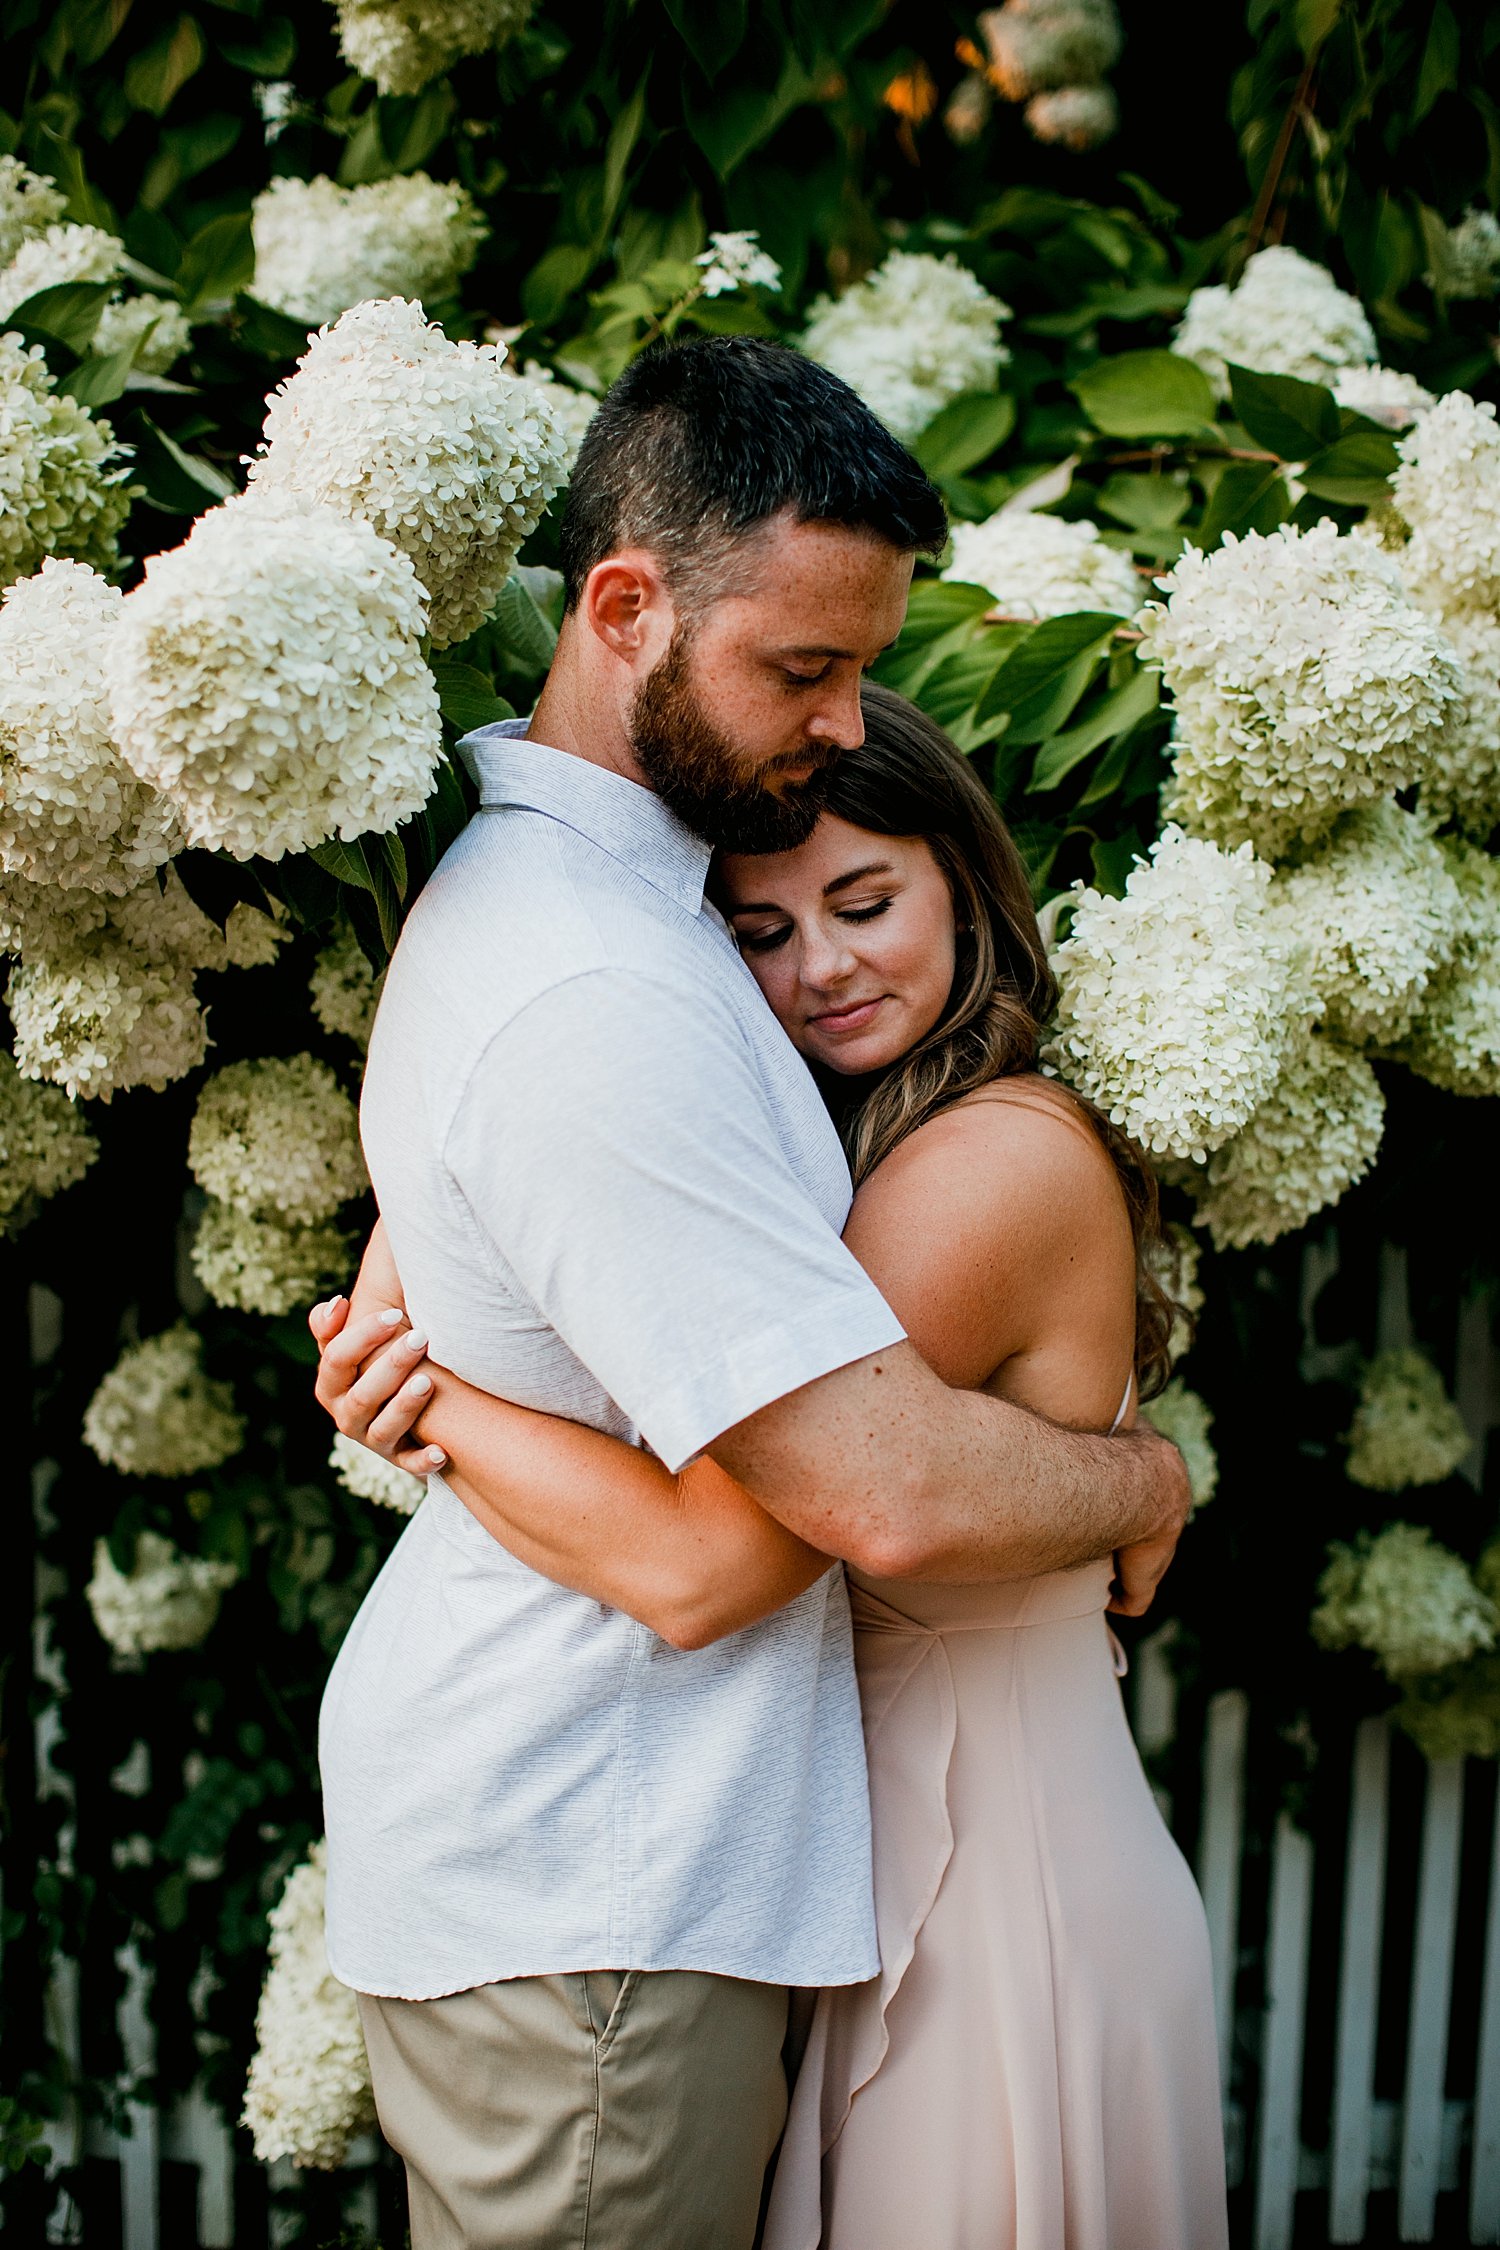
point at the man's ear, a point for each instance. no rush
(626, 605)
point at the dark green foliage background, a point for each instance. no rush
(602, 144)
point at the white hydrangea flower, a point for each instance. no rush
(1379, 913)
(160, 320)
(572, 409)
(1285, 316)
(427, 441)
(252, 939)
(1461, 780)
(45, 1146)
(1447, 489)
(911, 337)
(165, 1600)
(404, 44)
(62, 254)
(1468, 264)
(157, 1414)
(1038, 566)
(1174, 1259)
(277, 1138)
(29, 205)
(1076, 117)
(737, 261)
(267, 677)
(62, 477)
(1410, 1602)
(345, 989)
(320, 248)
(1313, 1136)
(1456, 1040)
(103, 996)
(1406, 1429)
(1383, 394)
(1185, 1418)
(308, 2093)
(369, 1477)
(1176, 1000)
(265, 1265)
(1306, 683)
(71, 811)
(1034, 45)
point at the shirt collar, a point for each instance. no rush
(622, 817)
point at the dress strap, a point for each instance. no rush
(1124, 1403)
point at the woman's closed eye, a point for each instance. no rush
(769, 939)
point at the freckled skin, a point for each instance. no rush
(877, 950)
(778, 659)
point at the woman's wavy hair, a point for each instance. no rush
(908, 779)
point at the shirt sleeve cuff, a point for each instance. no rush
(687, 1416)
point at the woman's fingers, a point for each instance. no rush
(394, 1421)
(361, 1398)
(327, 1319)
(341, 1358)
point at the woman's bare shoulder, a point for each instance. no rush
(1016, 1142)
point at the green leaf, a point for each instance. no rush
(1313, 20)
(1440, 60)
(270, 54)
(1115, 713)
(964, 433)
(1356, 470)
(1290, 418)
(100, 381)
(161, 70)
(1145, 503)
(713, 31)
(1043, 678)
(467, 697)
(729, 121)
(1146, 394)
(1247, 497)
(954, 691)
(552, 281)
(69, 311)
(527, 637)
(218, 261)
(263, 329)
(365, 865)
(180, 482)
(411, 127)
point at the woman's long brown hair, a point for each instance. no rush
(908, 779)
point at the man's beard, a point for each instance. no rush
(701, 777)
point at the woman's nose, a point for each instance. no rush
(827, 958)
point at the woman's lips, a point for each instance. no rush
(847, 1019)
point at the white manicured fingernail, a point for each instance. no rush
(392, 1316)
(416, 1341)
(420, 1383)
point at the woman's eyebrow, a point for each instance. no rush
(857, 875)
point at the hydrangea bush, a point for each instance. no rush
(259, 582)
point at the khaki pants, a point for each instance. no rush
(606, 2110)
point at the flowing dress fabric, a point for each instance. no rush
(1036, 2067)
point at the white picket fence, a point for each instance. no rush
(1379, 2164)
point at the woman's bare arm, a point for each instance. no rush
(962, 1229)
(692, 1556)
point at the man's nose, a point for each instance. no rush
(839, 719)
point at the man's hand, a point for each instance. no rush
(374, 1387)
(1141, 1567)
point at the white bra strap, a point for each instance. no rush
(1124, 1403)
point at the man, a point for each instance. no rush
(573, 1871)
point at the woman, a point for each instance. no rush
(1035, 2068)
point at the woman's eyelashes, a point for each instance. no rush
(767, 941)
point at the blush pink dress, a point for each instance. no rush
(1036, 2067)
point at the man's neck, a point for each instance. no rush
(578, 716)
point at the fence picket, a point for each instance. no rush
(140, 2148)
(1219, 1853)
(1484, 2183)
(1431, 1996)
(1281, 2066)
(1359, 1984)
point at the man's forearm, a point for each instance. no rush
(885, 1465)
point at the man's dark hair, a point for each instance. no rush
(698, 443)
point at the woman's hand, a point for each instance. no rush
(373, 1381)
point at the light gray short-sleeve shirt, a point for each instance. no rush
(614, 1193)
